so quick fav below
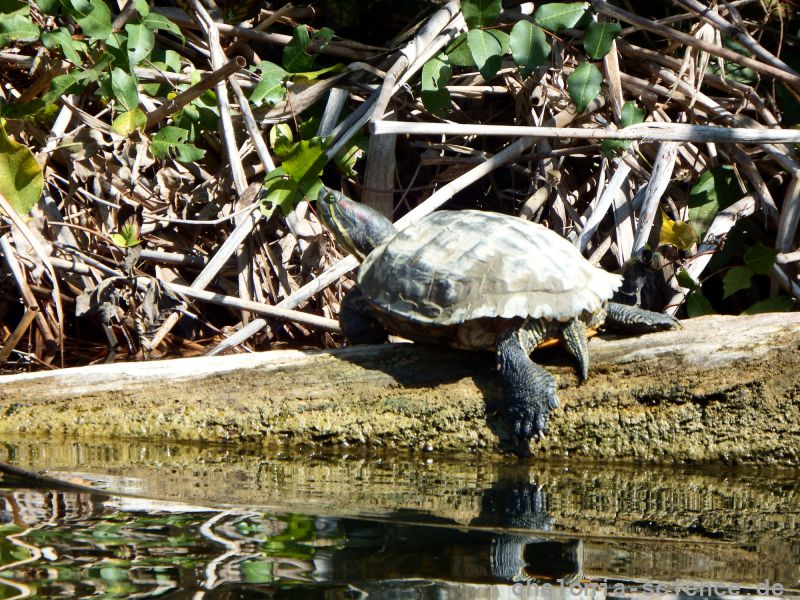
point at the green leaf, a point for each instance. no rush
(285, 192)
(558, 16)
(295, 57)
(127, 237)
(271, 89)
(68, 83)
(308, 127)
(774, 304)
(93, 16)
(61, 38)
(716, 190)
(142, 7)
(584, 84)
(269, 70)
(314, 75)
(163, 60)
(438, 102)
(738, 278)
(686, 280)
(349, 155)
(128, 122)
(268, 92)
(528, 46)
(630, 114)
(279, 189)
(502, 38)
(17, 28)
(123, 86)
(281, 139)
(156, 21)
(698, 305)
(306, 159)
(435, 96)
(325, 33)
(21, 178)
(118, 40)
(298, 177)
(481, 13)
(188, 118)
(172, 61)
(598, 38)
(486, 51)
(49, 7)
(171, 140)
(116, 48)
(458, 52)
(14, 7)
(435, 74)
(141, 41)
(760, 258)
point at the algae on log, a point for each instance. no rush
(720, 389)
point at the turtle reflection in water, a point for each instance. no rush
(479, 280)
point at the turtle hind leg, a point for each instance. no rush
(632, 319)
(530, 391)
(358, 324)
(574, 336)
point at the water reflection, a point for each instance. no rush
(61, 544)
(252, 524)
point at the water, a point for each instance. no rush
(229, 522)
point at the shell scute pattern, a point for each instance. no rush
(456, 266)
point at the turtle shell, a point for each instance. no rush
(455, 266)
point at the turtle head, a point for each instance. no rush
(358, 228)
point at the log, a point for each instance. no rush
(719, 389)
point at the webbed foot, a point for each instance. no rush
(530, 393)
(632, 319)
(528, 412)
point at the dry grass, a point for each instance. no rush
(265, 283)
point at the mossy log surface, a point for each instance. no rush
(719, 389)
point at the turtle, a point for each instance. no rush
(479, 280)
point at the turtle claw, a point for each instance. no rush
(632, 319)
(665, 322)
(530, 392)
(527, 419)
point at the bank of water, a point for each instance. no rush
(233, 522)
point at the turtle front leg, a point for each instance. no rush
(632, 319)
(530, 391)
(358, 324)
(574, 336)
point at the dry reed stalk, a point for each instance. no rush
(642, 132)
(185, 97)
(605, 8)
(16, 336)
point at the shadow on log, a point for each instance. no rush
(720, 389)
